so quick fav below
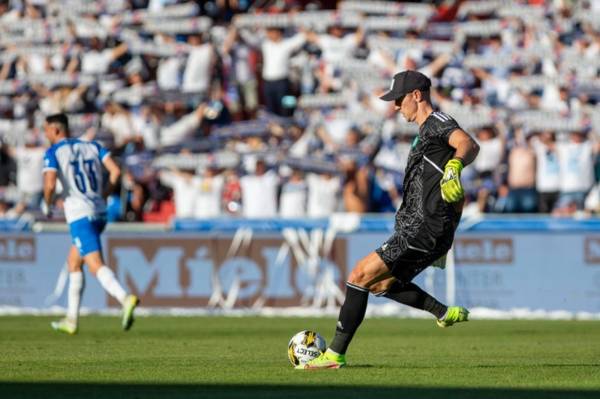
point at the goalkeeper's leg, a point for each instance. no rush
(367, 272)
(412, 295)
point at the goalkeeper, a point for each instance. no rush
(425, 223)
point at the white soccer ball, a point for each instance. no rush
(305, 346)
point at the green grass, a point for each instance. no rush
(214, 357)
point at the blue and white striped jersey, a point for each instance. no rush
(79, 168)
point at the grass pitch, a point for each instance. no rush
(215, 357)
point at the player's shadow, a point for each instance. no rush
(244, 391)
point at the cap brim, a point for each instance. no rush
(390, 96)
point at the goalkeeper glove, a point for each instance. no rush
(452, 190)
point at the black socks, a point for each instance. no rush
(352, 314)
(353, 310)
(411, 295)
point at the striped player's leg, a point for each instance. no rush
(109, 282)
(87, 233)
(70, 323)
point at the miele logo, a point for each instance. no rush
(193, 272)
(592, 250)
(483, 250)
(17, 249)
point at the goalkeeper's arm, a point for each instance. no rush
(466, 151)
(466, 148)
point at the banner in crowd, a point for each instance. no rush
(320, 20)
(546, 120)
(392, 45)
(386, 7)
(222, 159)
(487, 28)
(173, 11)
(178, 26)
(298, 268)
(479, 7)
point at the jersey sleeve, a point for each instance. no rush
(102, 152)
(443, 126)
(50, 161)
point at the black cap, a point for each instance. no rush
(405, 82)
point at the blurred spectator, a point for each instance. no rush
(117, 120)
(276, 52)
(5, 210)
(146, 125)
(197, 75)
(383, 193)
(557, 99)
(169, 70)
(333, 133)
(184, 190)
(134, 211)
(292, 201)
(207, 202)
(97, 59)
(241, 61)
(323, 194)
(30, 161)
(62, 99)
(486, 165)
(336, 48)
(216, 112)
(576, 160)
(8, 14)
(522, 197)
(259, 192)
(547, 170)
(178, 131)
(232, 192)
(7, 165)
(355, 187)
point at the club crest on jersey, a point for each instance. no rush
(415, 142)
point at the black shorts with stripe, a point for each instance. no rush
(406, 258)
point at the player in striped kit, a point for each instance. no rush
(78, 165)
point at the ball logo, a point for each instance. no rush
(17, 249)
(484, 250)
(305, 351)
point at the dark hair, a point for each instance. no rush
(59, 119)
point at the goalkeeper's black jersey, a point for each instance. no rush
(424, 215)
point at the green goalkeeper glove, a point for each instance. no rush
(452, 190)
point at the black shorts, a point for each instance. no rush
(406, 258)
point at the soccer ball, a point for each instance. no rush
(305, 346)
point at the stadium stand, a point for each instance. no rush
(208, 105)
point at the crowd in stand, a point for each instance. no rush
(270, 108)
